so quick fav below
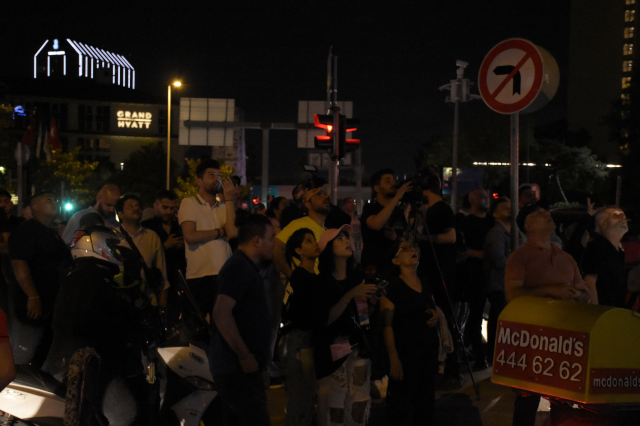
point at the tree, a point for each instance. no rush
(64, 170)
(144, 172)
(188, 185)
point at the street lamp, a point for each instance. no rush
(176, 84)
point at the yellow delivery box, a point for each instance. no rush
(575, 351)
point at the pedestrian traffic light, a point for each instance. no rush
(324, 122)
(348, 125)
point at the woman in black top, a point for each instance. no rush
(409, 316)
(294, 347)
(341, 369)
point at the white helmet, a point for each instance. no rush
(99, 242)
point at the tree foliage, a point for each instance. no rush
(65, 168)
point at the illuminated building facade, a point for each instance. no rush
(603, 42)
(66, 58)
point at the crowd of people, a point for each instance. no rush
(333, 304)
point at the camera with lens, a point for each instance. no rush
(424, 179)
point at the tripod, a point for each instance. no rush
(413, 232)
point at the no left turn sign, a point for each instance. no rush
(517, 74)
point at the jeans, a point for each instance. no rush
(296, 359)
(275, 294)
(498, 302)
(244, 399)
(344, 396)
(204, 290)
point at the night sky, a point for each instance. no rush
(393, 56)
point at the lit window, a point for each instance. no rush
(626, 98)
(631, 1)
(626, 82)
(627, 49)
(629, 15)
(627, 66)
(624, 115)
(628, 32)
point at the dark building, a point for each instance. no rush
(601, 69)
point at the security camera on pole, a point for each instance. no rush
(459, 92)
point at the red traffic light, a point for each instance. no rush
(256, 201)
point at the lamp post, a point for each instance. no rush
(176, 84)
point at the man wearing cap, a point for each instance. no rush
(105, 206)
(540, 268)
(316, 201)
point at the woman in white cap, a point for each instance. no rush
(342, 366)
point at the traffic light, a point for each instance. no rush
(324, 122)
(348, 125)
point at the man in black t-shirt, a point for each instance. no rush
(37, 252)
(241, 339)
(382, 221)
(437, 262)
(165, 224)
(475, 228)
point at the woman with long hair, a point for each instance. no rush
(342, 369)
(294, 347)
(409, 318)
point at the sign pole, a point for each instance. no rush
(515, 147)
(454, 160)
(265, 166)
(335, 155)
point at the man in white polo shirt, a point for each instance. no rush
(207, 226)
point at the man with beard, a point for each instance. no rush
(165, 224)
(147, 243)
(207, 226)
(37, 255)
(497, 248)
(105, 207)
(475, 228)
(383, 221)
(316, 201)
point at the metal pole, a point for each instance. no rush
(336, 132)
(515, 136)
(359, 200)
(265, 165)
(454, 161)
(20, 180)
(168, 135)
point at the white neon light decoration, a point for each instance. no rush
(134, 80)
(72, 44)
(129, 73)
(48, 66)
(113, 75)
(86, 66)
(64, 65)
(35, 60)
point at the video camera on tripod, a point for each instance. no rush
(422, 180)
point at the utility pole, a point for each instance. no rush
(334, 110)
(459, 92)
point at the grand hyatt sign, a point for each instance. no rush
(134, 119)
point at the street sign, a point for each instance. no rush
(518, 76)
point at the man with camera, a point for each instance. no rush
(383, 221)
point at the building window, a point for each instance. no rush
(626, 82)
(103, 117)
(626, 98)
(628, 32)
(629, 15)
(104, 144)
(59, 112)
(627, 49)
(631, 1)
(85, 117)
(627, 66)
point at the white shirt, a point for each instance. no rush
(204, 259)
(151, 249)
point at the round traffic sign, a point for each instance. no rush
(517, 76)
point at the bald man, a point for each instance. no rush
(105, 206)
(37, 252)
